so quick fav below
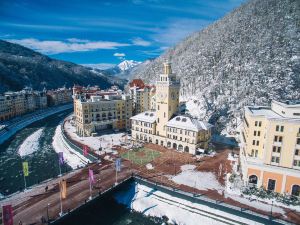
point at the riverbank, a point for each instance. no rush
(19, 123)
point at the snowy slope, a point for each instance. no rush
(249, 57)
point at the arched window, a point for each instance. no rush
(174, 145)
(186, 149)
(169, 144)
(252, 180)
(180, 147)
(296, 190)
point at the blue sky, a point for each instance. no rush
(106, 32)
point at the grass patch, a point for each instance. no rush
(141, 156)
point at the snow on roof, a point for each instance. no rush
(148, 116)
(262, 111)
(188, 123)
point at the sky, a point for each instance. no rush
(106, 32)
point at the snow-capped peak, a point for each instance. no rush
(128, 64)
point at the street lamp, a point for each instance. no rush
(48, 222)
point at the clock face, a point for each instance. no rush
(162, 97)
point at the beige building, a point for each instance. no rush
(99, 112)
(14, 104)
(59, 96)
(270, 147)
(164, 125)
(142, 96)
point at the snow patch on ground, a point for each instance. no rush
(106, 141)
(197, 179)
(179, 211)
(31, 143)
(72, 157)
(149, 166)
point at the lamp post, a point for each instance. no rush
(48, 222)
(272, 210)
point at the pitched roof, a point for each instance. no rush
(188, 123)
(148, 116)
(137, 82)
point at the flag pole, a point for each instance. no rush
(116, 176)
(24, 181)
(59, 168)
(90, 190)
(61, 206)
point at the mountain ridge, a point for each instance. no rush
(248, 57)
(21, 66)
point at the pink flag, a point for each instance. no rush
(7, 215)
(85, 150)
(91, 176)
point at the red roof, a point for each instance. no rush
(137, 82)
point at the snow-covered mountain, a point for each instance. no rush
(21, 67)
(128, 65)
(123, 69)
(250, 56)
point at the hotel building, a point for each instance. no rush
(165, 126)
(142, 96)
(270, 147)
(102, 110)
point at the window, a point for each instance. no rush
(297, 151)
(275, 159)
(277, 149)
(298, 141)
(259, 123)
(164, 115)
(256, 123)
(253, 142)
(277, 138)
(279, 128)
(258, 133)
(296, 163)
(255, 133)
(271, 185)
(257, 143)
(256, 153)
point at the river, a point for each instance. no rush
(34, 145)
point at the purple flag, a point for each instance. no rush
(91, 176)
(61, 158)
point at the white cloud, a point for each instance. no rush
(119, 54)
(77, 40)
(101, 66)
(140, 42)
(71, 45)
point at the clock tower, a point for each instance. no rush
(167, 98)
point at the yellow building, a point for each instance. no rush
(164, 125)
(98, 113)
(270, 147)
(142, 96)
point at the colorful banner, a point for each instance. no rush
(118, 164)
(7, 215)
(63, 189)
(85, 150)
(25, 169)
(61, 158)
(91, 176)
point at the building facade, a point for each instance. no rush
(270, 147)
(59, 96)
(96, 113)
(164, 125)
(14, 104)
(142, 96)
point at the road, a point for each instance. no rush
(18, 123)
